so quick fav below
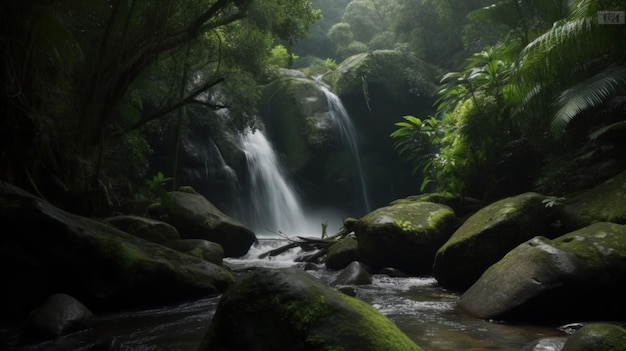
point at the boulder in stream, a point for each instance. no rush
(196, 218)
(60, 315)
(578, 276)
(405, 236)
(488, 235)
(288, 309)
(597, 337)
(44, 250)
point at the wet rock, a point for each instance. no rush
(597, 337)
(341, 253)
(44, 250)
(546, 344)
(354, 274)
(288, 309)
(196, 218)
(206, 250)
(145, 228)
(578, 276)
(488, 235)
(603, 203)
(392, 272)
(404, 236)
(60, 315)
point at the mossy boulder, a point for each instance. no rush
(196, 218)
(342, 253)
(404, 236)
(295, 114)
(288, 309)
(578, 276)
(206, 250)
(461, 205)
(146, 228)
(485, 237)
(44, 250)
(604, 203)
(597, 337)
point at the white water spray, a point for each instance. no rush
(275, 205)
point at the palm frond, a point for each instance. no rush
(587, 94)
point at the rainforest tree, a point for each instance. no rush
(71, 72)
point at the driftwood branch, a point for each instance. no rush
(308, 244)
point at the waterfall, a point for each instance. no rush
(341, 117)
(275, 205)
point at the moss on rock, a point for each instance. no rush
(404, 236)
(288, 309)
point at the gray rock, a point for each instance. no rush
(578, 276)
(196, 218)
(288, 309)
(60, 315)
(44, 250)
(354, 274)
(597, 337)
(405, 236)
(146, 228)
(206, 250)
(488, 235)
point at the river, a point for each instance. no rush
(418, 305)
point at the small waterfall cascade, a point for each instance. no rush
(341, 117)
(275, 205)
(220, 168)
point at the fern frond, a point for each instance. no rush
(587, 94)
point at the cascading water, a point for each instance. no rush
(275, 205)
(341, 117)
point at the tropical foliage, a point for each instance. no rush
(556, 80)
(76, 74)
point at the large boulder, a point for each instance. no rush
(44, 250)
(597, 337)
(196, 218)
(488, 235)
(578, 276)
(604, 203)
(405, 236)
(288, 309)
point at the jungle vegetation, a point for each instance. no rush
(533, 92)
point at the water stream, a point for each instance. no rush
(418, 305)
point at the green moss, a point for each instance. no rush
(382, 333)
(304, 312)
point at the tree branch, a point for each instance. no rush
(191, 98)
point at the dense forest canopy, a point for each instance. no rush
(538, 83)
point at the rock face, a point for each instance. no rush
(60, 315)
(44, 250)
(488, 235)
(196, 218)
(287, 309)
(148, 229)
(578, 276)
(405, 236)
(597, 337)
(206, 250)
(341, 253)
(603, 203)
